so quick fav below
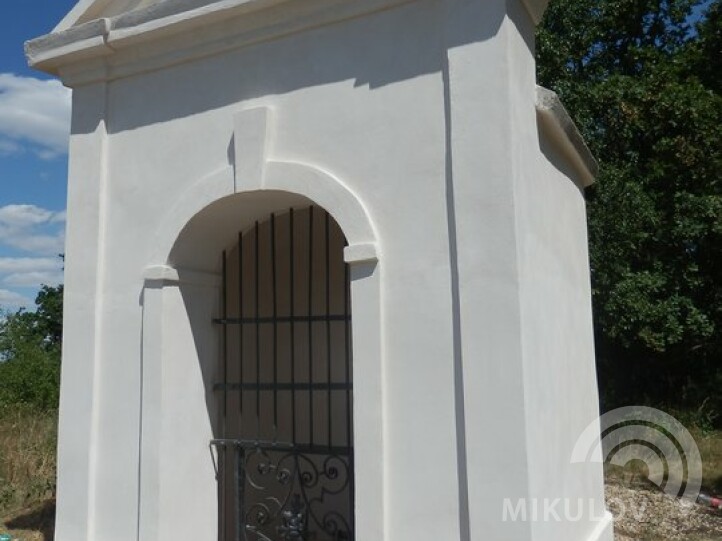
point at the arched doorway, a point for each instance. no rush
(285, 461)
(184, 348)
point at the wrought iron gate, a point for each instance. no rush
(284, 458)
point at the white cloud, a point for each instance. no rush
(8, 147)
(30, 271)
(33, 279)
(42, 244)
(34, 113)
(11, 300)
(32, 229)
(29, 264)
(24, 215)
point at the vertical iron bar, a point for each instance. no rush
(349, 419)
(310, 325)
(293, 327)
(328, 330)
(224, 352)
(240, 329)
(275, 326)
(222, 516)
(234, 473)
(240, 493)
(347, 354)
(258, 342)
(224, 292)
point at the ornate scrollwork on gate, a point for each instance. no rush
(292, 496)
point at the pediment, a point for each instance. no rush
(89, 10)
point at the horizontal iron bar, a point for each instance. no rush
(279, 319)
(282, 386)
(284, 446)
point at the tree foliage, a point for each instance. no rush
(642, 80)
(30, 353)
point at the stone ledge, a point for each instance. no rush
(166, 275)
(554, 117)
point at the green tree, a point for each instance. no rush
(642, 80)
(30, 345)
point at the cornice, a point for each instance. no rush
(105, 49)
(555, 119)
(184, 30)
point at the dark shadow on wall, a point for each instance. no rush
(557, 159)
(40, 519)
(203, 305)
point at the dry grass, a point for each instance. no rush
(27, 473)
(27, 487)
(710, 448)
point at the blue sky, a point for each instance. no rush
(34, 123)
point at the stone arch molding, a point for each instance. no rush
(253, 173)
(261, 179)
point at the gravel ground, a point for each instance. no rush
(641, 512)
(644, 514)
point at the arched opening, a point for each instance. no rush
(284, 391)
(192, 359)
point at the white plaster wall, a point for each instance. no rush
(559, 369)
(560, 386)
(177, 496)
(81, 315)
(188, 493)
(344, 104)
(426, 112)
(483, 153)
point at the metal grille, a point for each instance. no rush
(285, 452)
